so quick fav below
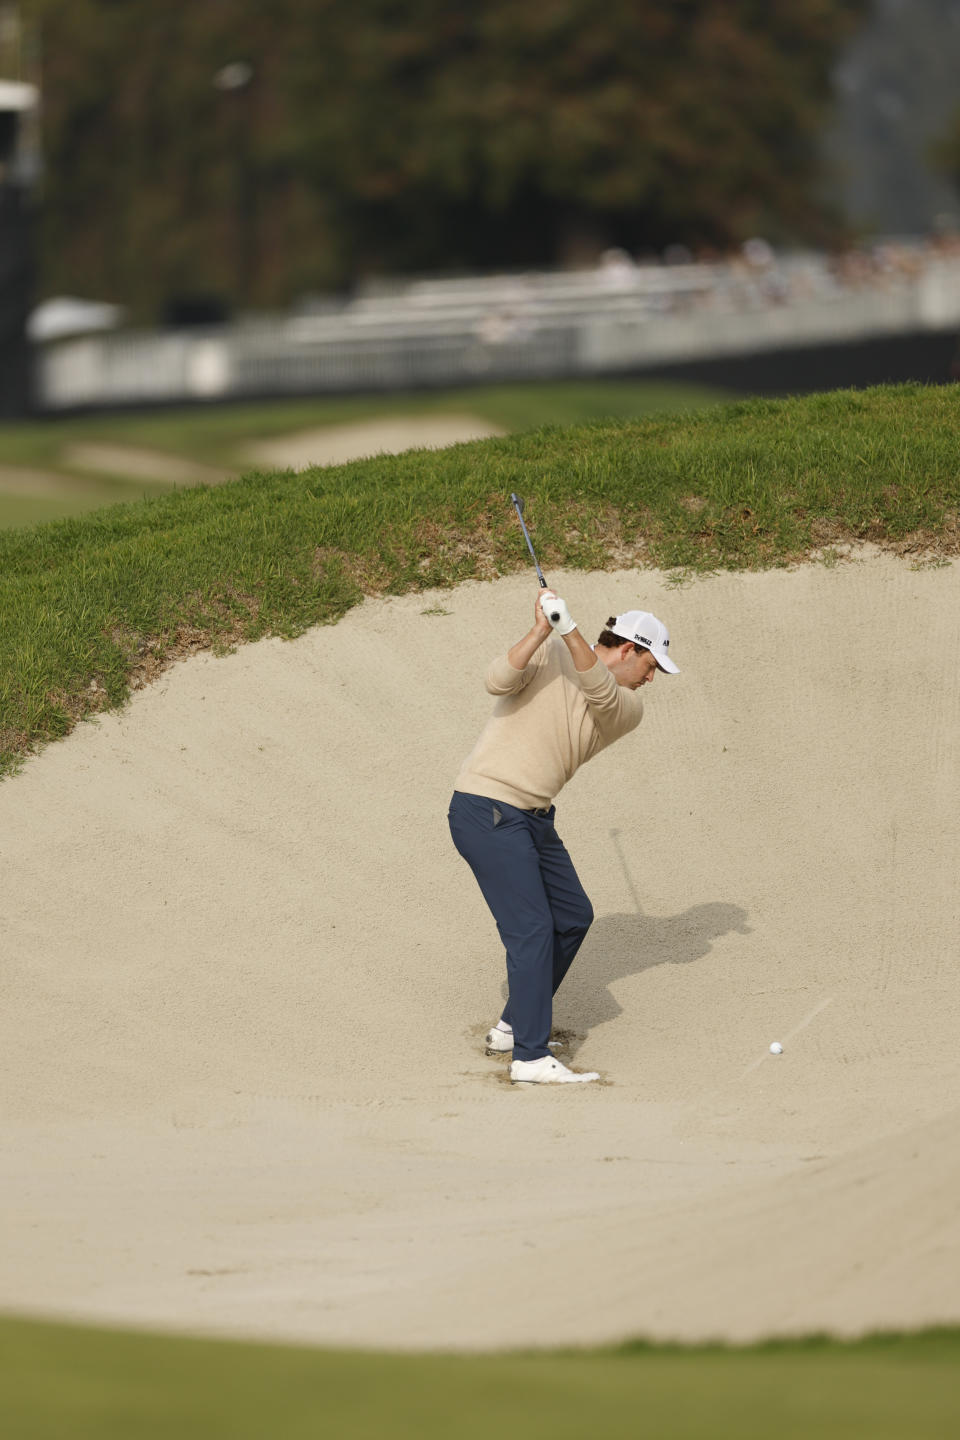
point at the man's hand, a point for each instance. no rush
(549, 603)
(557, 613)
(541, 620)
(580, 652)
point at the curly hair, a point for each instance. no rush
(610, 641)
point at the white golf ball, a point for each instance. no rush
(776, 1048)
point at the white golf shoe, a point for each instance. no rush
(500, 1042)
(548, 1070)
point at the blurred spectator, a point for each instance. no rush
(617, 269)
(758, 253)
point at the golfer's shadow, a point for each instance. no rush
(621, 945)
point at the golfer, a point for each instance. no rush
(559, 702)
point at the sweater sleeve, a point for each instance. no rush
(615, 709)
(502, 679)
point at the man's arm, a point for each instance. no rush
(522, 653)
(583, 657)
(615, 709)
(518, 657)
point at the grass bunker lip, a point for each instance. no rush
(749, 485)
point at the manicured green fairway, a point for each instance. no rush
(63, 1383)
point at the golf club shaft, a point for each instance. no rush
(518, 506)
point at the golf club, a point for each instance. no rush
(518, 506)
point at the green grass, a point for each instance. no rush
(67, 1383)
(217, 435)
(749, 485)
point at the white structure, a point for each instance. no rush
(615, 318)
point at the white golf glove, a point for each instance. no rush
(552, 605)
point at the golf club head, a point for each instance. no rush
(515, 500)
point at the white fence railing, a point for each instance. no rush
(618, 318)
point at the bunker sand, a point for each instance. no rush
(246, 979)
(387, 435)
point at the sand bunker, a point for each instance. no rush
(246, 978)
(131, 462)
(338, 444)
(21, 480)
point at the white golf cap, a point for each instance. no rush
(645, 629)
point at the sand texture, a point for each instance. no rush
(391, 435)
(134, 462)
(246, 977)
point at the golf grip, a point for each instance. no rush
(554, 614)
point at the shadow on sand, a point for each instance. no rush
(622, 945)
(628, 944)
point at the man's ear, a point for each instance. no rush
(626, 649)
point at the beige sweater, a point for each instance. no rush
(548, 720)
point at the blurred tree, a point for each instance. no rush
(402, 134)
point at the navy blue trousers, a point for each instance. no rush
(541, 909)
